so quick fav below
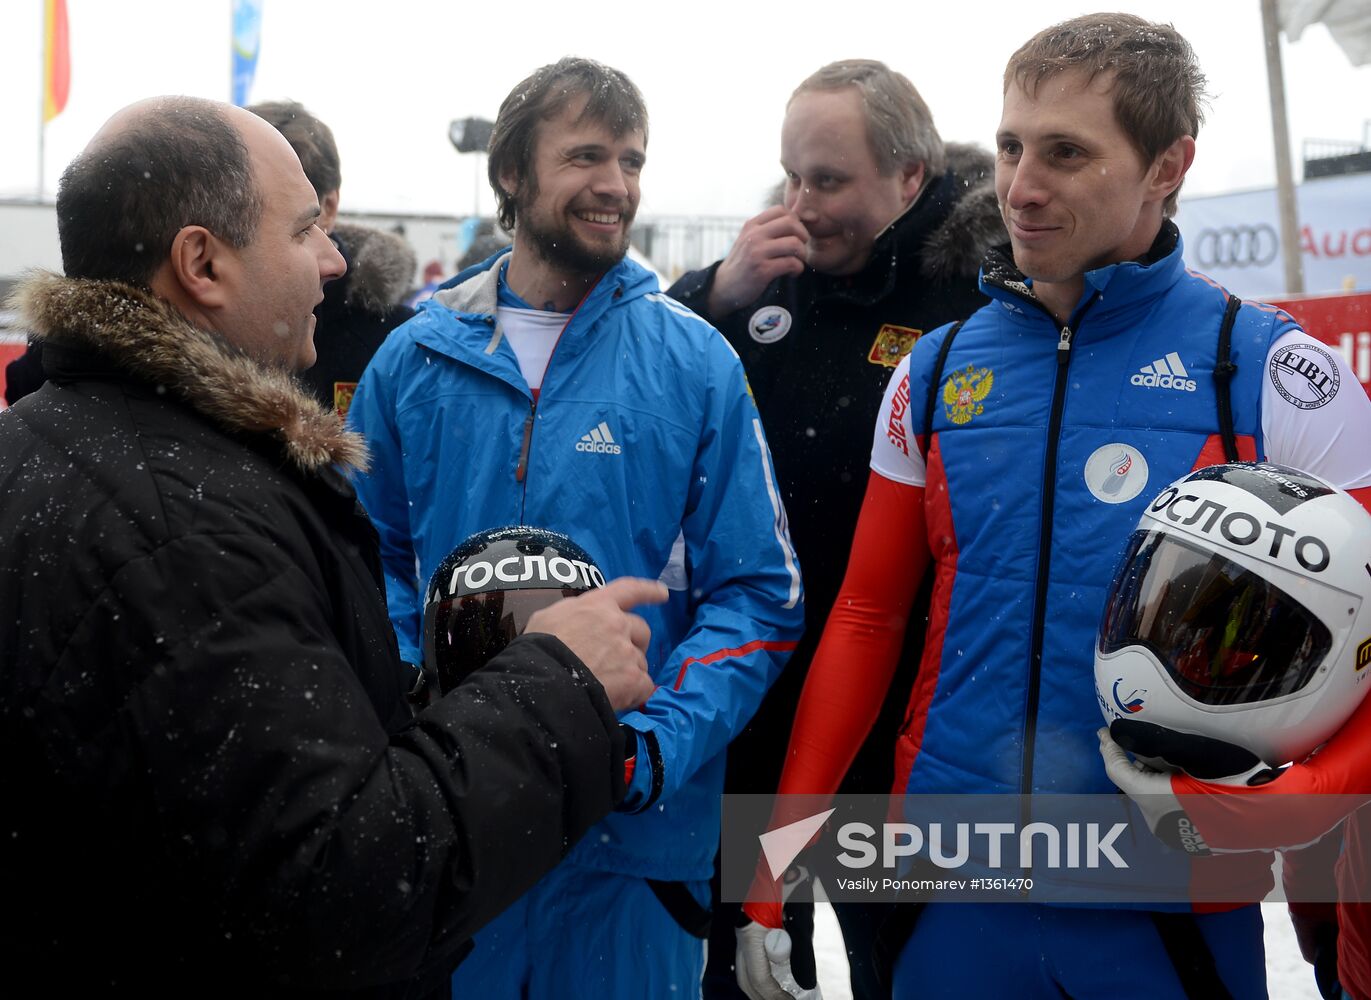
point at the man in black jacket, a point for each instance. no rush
(212, 783)
(879, 237)
(365, 304)
(359, 309)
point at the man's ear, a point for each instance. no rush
(1170, 166)
(911, 181)
(198, 264)
(328, 211)
(509, 181)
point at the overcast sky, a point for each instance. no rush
(389, 76)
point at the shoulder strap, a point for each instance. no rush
(931, 402)
(1224, 370)
(1190, 955)
(676, 899)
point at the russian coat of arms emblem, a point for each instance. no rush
(965, 392)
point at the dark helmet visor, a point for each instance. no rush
(461, 634)
(1224, 634)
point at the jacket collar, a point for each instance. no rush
(476, 290)
(1128, 283)
(144, 337)
(459, 321)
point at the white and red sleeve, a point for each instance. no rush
(851, 672)
(1316, 416)
(895, 451)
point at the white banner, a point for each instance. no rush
(1235, 238)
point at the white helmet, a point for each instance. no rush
(1238, 630)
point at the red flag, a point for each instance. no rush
(56, 59)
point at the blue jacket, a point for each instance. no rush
(1026, 530)
(646, 448)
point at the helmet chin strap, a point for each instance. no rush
(1202, 757)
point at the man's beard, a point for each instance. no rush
(560, 247)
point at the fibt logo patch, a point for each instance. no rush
(1305, 376)
(1165, 373)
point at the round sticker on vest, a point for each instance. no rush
(1115, 473)
(1306, 376)
(769, 324)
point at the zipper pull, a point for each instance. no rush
(1064, 344)
(521, 469)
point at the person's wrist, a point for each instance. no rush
(767, 914)
(708, 295)
(630, 753)
(643, 781)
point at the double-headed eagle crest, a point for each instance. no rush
(964, 392)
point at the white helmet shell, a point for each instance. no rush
(1238, 628)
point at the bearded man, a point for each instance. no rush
(554, 384)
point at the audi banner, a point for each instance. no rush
(1235, 238)
(1344, 321)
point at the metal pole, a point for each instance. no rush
(1280, 129)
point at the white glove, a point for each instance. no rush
(1151, 791)
(762, 963)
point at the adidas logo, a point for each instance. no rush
(1165, 373)
(599, 441)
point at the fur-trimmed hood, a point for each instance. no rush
(380, 267)
(149, 339)
(957, 247)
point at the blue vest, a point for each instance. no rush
(1047, 442)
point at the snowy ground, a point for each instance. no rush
(1287, 975)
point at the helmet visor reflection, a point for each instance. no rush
(461, 634)
(1224, 634)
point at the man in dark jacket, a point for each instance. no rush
(365, 304)
(212, 783)
(23, 375)
(879, 238)
(359, 309)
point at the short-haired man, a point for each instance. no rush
(212, 782)
(359, 309)
(1062, 407)
(555, 385)
(878, 238)
(362, 307)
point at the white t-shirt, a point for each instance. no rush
(532, 333)
(1323, 429)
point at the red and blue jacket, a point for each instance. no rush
(1046, 443)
